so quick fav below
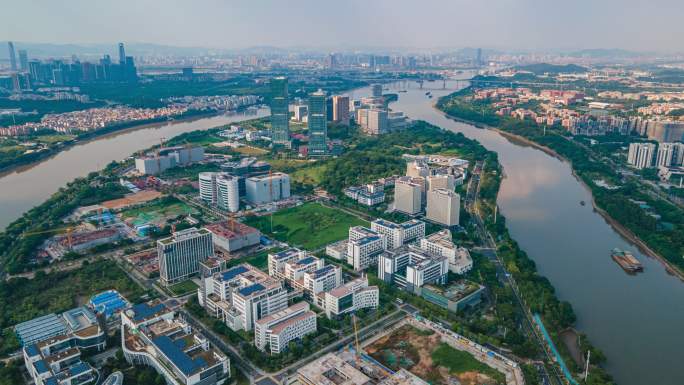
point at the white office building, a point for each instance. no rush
(304, 272)
(350, 297)
(364, 246)
(408, 195)
(180, 254)
(641, 155)
(241, 295)
(267, 188)
(441, 243)
(410, 268)
(399, 234)
(443, 207)
(220, 189)
(166, 158)
(276, 330)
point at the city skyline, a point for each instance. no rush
(520, 25)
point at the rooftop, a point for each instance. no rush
(147, 310)
(332, 370)
(299, 306)
(40, 328)
(230, 229)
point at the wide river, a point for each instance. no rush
(635, 320)
(32, 184)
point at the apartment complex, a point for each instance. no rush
(267, 188)
(241, 295)
(399, 234)
(276, 330)
(220, 189)
(641, 155)
(152, 334)
(670, 155)
(180, 254)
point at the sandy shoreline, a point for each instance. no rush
(617, 226)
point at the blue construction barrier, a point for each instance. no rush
(559, 359)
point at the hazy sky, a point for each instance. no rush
(518, 24)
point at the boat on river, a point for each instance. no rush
(627, 261)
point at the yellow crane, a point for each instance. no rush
(68, 230)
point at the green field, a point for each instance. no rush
(50, 139)
(182, 288)
(309, 175)
(310, 225)
(459, 362)
(157, 212)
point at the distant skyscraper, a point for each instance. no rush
(318, 128)
(479, 57)
(341, 109)
(23, 60)
(280, 114)
(122, 54)
(376, 90)
(12, 56)
(331, 61)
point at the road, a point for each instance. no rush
(489, 247)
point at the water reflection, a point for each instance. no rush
(30, 185)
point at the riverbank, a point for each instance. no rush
(25, 162)
(616, 225)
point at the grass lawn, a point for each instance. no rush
(182, 288)
(49, 139)
(310, 225)
(309, 175)
(458, 362)
(249, 150)
(156, 212)
(258, 260)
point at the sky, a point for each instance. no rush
(639, 25)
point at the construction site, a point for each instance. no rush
(438, 356)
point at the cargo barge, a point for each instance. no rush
(627, 261)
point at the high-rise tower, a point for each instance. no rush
(280, 115)
(12, 56)
(318, 126)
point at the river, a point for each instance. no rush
(635, 320)
(30, 185)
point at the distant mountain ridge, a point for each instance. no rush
(542, 68)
